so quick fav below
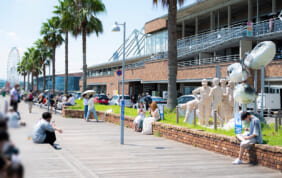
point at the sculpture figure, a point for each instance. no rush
(230, 89)
(204, 102)
(189, 107)
(216, 94)
(224, 107)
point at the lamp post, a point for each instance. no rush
(116, 28)
(48, 103)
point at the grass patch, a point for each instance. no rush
(270, 137)
(157, 134)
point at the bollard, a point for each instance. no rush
(276, 122)
(194, 117)
(177, 114)
(215, 120)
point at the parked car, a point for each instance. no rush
(101, 99)
(117, 98)
(149, 99)
(185, 98)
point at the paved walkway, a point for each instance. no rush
(93, 150)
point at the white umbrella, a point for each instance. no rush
(88, 93)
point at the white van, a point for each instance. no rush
(117, 98)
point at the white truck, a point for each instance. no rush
(271, 101)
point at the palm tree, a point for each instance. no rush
(67, 20)
(86, 23)
(21, 69)
(172, 49)
(45, 52)
(52, 35)
(25, 63)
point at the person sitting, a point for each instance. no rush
(15, 170)
(141, 115)
(14, 120)
(254, 136)
(44, 132)
(155, 116)
(71, 101)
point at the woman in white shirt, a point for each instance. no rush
(91, 107)
(85, 103)
(147, 123)
(141, 115)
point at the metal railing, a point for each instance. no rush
(202, 41)
(211, 60)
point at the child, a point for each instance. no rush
(91, 107)
(141, 114)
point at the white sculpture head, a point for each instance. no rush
(223, 82)
(204, 83)
(231, 84)
(215, 81)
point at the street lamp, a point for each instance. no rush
(116, 28)
(48, 103)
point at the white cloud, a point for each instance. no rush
(12, 35)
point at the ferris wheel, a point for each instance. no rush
(12, 63)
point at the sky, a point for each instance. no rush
(21, 21)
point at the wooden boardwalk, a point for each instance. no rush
(93, 150)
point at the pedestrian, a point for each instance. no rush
(85, 103)
(44, 132)
(91, 107)
(254, 136)
(14, 97)
(30, 101)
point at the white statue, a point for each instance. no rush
(225, 106)
(189, 107)
(230, 89)
(216, 94)
(204, 102)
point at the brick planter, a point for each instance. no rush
(265, 155)
(269, 156)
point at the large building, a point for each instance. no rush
(73, 82)
(212, 34)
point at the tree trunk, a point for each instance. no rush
(28, 81)
(84, 59)
(53, 69)
(66, 61)
(37, 83)
(44, 77)
(24, 82)
(32, 83)
(172, 54)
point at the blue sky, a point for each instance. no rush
(21, 21)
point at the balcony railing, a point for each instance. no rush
(202, 41)
(206, 61)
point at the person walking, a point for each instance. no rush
(85, 103)
(30, 100)
(14, 97)
(91, 107)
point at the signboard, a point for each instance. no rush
(119, 73)
(122, 110)
(250, 29)
(161, 109)
(238, 124)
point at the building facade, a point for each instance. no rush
(73, 82)
(212, 34)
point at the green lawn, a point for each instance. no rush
(269, 135)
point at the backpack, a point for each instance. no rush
(30, 97)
